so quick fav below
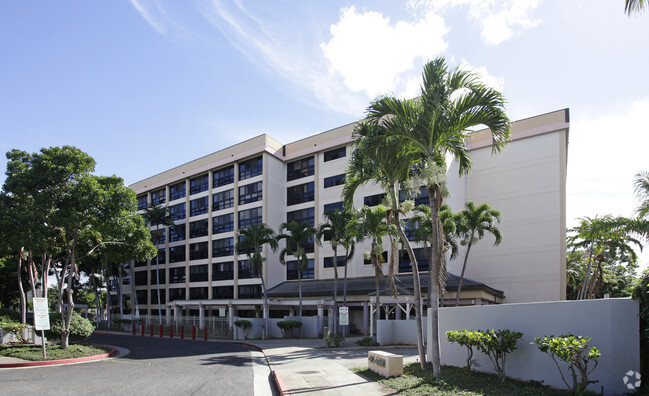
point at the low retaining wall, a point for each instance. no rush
(393, 332)
(309, 327)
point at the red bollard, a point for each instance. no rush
(160, 331)
(205, 333)
(171, 331)
(151, 326)
(142, 329)
(133, 325)
(182, 332)
(193, 332)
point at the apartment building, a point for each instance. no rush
(264, 181)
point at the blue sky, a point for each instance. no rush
(143, 86)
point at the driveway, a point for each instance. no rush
(153, 366)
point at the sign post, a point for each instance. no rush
(41, 319)
(343, 315)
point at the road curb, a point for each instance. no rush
(60, 361)
(279, 382)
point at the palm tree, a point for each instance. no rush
(384, 159)
(372, 224)
(297, 236)
(335, 230)
(436, 124)
(634, 6)
(474, 222)
(250, 241)
(157, 215)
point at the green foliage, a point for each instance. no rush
(288, 326)
(575, 351)
(16, 328)
(80, 327)
(497, 344)
(334, 341)
(367, 341)
(9, 315)
(243, 324)
(468, 339)
(54, 352)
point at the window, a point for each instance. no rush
(250, 291)
(140, 278)
(199, 228)
(154, 296)
(177, 275)
(142, 202)
(300, 193)
(198, 206)
(223, 293)
(250, 217)
(158, 237)
(420, 199)
(223, 247)
(373, 200)
(385, 259)
(224, 176)
(177, 232)
(198, 251)
(223, 271)
(154, 280)
(223, 200)
(333, 207)
(334, 181)
(250, 193)
(176, 254)
(161, 259)
(301, 216)
(291, 270)
(176, 294)
(177, 212)
(126, 281)
(177, 191)
(223, 223)
(113, 283)
(198, 184)
(245, 270)
(331, 155)
(158, 197)
(329, 262)
(198, 273)
(198, 293)
(422, 260)
(141, 296)
(142, 263)
(250, 168)
(299, 169)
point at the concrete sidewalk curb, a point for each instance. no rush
(59, 361)
(283, 390)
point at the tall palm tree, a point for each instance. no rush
(334, 229)
(635, 6)
(474, 222)
(371, 224)
(384, 159)
(251, 241)
(158, 216)
(297, 236)
(437, 123)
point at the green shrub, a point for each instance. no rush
(16, 328)
(575, 351)
(243, 324)
(9, 315)
(80, 327)
(337, 340)
(468, 339)
(287, 327)
(367, 341)
(497, 344)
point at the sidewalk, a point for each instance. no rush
(305, 366)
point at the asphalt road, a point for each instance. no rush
(154, 366)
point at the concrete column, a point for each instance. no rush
(201, 316)
(320, 319)
(366, 318)
(372, 319)
(168, 315)
(231, 315)
(397, 313)
(176, 313)
(408, 306)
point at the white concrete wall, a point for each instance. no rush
(309, 327)
(274, 215)
(612, 324)
(395, 332)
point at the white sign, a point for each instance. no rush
(222, 312)
(343, 313)
(41, 314)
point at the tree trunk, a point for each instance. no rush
(584, 289)
(65, 331)
(135, 309)
(435, 201)
(21, 290)
(335, 307)
(459, 286)
(266, 313)
(416, 284)
(157, 281)
(377, 276)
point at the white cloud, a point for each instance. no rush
(497, 83)
(371, 54)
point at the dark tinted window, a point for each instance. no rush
(330, 155)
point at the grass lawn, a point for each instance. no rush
(456, 381)
(54, 352)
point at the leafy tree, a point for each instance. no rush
(9, 290)
(617, 277)
(371, 224)
(466, 338)
(297, 237)
(634, 6)
(497, 344)
(436, 124)
(334, 229)
(251, 241)
(158, 215)
(474, 222)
